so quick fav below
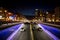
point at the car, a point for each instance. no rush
(26, 23)
(33, 28)
(22, 29)
(39, 29)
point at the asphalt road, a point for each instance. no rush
(40, 35)
(24, 35)
(4, 34)
(37, 35)
(52, 29)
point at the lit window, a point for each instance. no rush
(0, 10)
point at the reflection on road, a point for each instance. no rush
(53, 30)
(7, 32)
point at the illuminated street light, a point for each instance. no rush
(36, 9)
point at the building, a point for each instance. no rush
(5, 15)
(39, 14)
(2, 14)
(57, 13)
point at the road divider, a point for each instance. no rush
(31, 32)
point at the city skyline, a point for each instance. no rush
(27, 7)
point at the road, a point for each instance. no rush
(23, 35)
(52, 29)
(4, 34)
(40, 35)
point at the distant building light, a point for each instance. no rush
(53, 15)
(46, 12)
(57, 20)
(40, 14)
(0, 10)
(49, 20)
(53, 20)
(11, 18)
(0, 16)
(36, 9)
(9, 13)
(5, 10)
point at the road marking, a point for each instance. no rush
(32, 38)
(14, 33)
(49, 33)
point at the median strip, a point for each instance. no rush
(31, 32)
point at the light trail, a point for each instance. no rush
(14, 33)
(8, 31)
(49, 33)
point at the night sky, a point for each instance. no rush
(27, 6)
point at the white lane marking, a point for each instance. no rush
(14, 33)
(49, 33)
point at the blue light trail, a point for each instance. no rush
(4, 34)
(51, 31)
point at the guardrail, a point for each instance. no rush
(52, 24)
(6, 25)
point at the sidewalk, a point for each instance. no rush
(6, 25)
(52, 24)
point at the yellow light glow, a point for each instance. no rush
(49, 20)
(57, 20)
(53, 20)
(5, 10)
(40, 14)
(9, 13)
(0, 10)
(0, 16)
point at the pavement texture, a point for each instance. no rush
(40, 35)
(37, 35)
(23, 35)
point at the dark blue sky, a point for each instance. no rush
(27, 6)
